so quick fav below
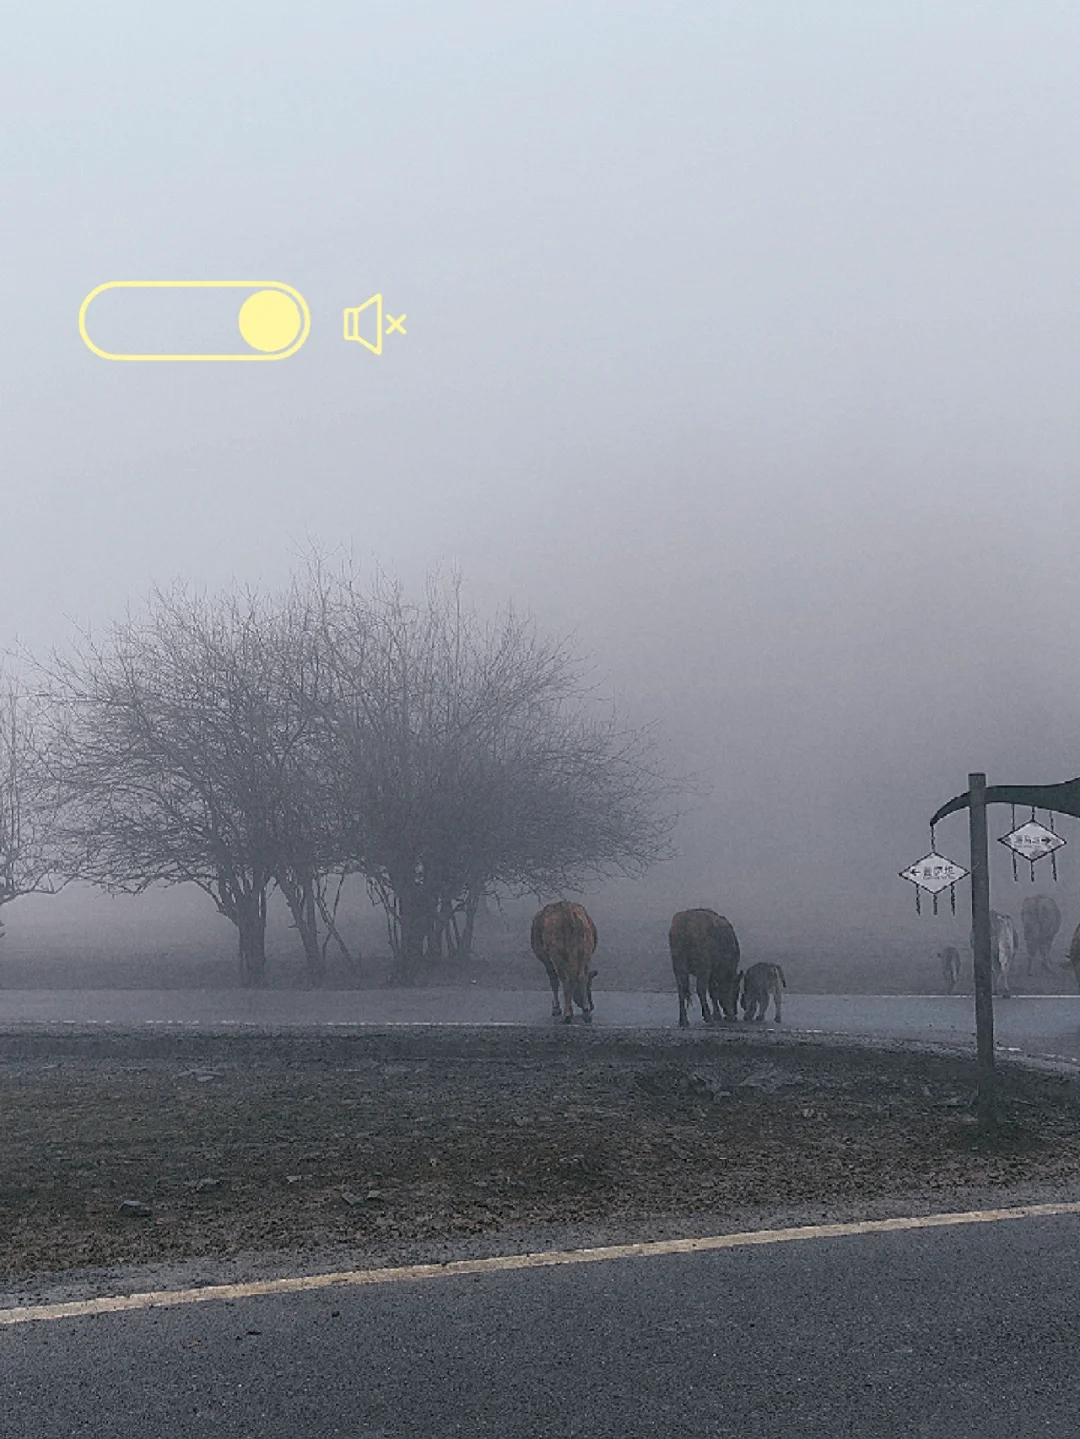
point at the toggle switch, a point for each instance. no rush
(195, 320)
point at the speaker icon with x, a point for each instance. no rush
(372, 309)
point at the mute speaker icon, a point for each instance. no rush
(372, 310)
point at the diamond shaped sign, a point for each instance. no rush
(933, 872)
(1032, 841)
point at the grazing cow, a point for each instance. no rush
(950, 966)
(1074, 956)
(1040, 920)
(563, 939)
(760, 983)
(703, 944)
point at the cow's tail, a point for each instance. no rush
(780, 972)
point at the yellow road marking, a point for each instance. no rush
(542, 1259)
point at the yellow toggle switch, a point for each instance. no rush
(273, 318)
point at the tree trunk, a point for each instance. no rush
(415, 919)
(328, 910)
(464, 948)
(251, 924)
(299, 895)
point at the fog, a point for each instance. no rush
(741, 343)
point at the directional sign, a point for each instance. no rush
(1032, 841)
(933, 872)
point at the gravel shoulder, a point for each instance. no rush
(393, 1145)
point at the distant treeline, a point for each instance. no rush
(246, 741)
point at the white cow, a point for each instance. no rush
(950, 966)
(1003, 946)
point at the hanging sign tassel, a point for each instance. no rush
(935, 901)
(952, 897)
(918, 906)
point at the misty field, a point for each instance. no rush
(629, 957)
(144, 1147)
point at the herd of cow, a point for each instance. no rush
(1040, 919)
(703, 944)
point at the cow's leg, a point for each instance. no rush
(714, 998)
(776, 1002)
(553, 980)
(729, 998)
(703, 996)
(683, 982)
(568, 991)
(581, 989)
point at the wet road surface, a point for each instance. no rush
(1045, 1026)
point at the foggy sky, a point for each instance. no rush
(743, 341)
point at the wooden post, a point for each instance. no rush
(980, 930)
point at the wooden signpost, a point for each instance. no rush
(1058, 798)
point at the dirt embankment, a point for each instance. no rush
(235, 1144)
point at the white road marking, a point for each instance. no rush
(543, 1259)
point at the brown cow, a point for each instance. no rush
(703, 944)
(563, 939)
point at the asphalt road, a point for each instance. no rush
(966, 1331)
(1043, 1025)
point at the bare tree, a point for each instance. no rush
(183, 746)
(312, 855)
(243, 743)
(472, 755)
(27, 858)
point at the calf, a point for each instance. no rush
(703, 944)
(563, 939)
(760, 983)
